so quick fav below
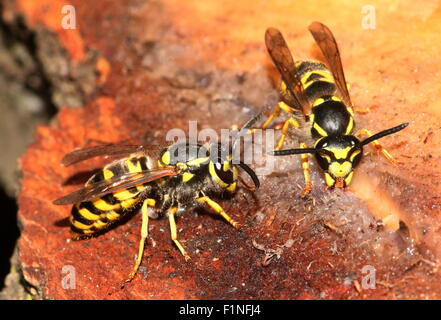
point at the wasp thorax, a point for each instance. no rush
(193, 160)
(183, 153)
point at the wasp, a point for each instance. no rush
(321, 94)
(184, 175)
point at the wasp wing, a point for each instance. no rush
(111, 150)
(117, 183)
(101, 150)
(282, 58)
(328, 46)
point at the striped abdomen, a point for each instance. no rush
(90, 217)
(317, 80)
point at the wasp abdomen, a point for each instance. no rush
(316, 79)
(90, 217)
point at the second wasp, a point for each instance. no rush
(321, 94)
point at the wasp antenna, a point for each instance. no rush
(251, 173)
(294, 151)
(247, 126)
(383, 133)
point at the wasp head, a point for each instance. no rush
(338, 156)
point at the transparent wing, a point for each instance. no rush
(101, 150)
(282, 58)
(327, 44)
(110, 150)
(125, 181)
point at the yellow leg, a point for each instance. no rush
(363, 110)
(378, 146)
(272, 116)
(290, 122)
(270, 119)
(279, 107)
(305, 166)
(282, 105)
(144, 234)
(276, 112)
(217, 208)
(173, 232)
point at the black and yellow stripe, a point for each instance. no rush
(91, 217)
(185, 175)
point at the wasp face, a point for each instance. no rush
(340, 156)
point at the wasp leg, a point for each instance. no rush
(358, 110)
(305, 166)
(276, 112)
(272, 116)
(363, 110)
(217, 208)
(378, 146)
(279, 107)
(290, 122)
(173, 232)
(144, 234)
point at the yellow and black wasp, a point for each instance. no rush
(184, 175)
(321, 94)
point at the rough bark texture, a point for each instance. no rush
(155, 65)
